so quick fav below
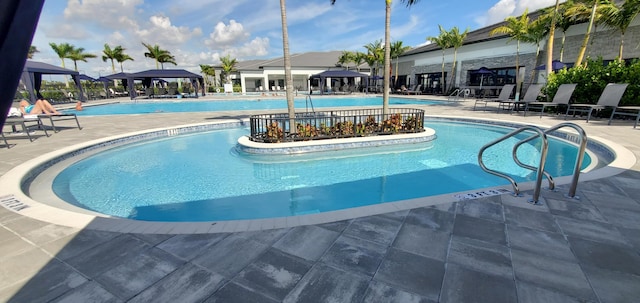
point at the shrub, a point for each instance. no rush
(594, 77)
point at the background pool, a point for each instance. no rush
(201, 177)
(175, 106)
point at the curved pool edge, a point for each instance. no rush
(15, 199)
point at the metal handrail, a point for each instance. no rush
(576, 171)
(540, 168)
(307, 101)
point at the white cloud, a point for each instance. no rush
(160, 31)
(224, 36)
(505, 8)
(108, 13)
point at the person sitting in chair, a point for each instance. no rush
(40, 107)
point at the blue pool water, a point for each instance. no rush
(202, 177)
(146, 107)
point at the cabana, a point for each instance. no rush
(336, 74)
(32, 78)
(147, 76)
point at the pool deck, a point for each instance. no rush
(492, 249)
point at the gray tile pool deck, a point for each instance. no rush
(493, 249)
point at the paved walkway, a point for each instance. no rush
(495, 249)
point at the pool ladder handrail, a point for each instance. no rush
(307, 101)
(543, 154)
(539, 169)
(582, 136)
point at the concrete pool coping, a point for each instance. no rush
(13, 197)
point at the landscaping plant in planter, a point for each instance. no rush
(274, 133)
(393, 124)
(306, 131)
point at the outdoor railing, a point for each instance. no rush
(273, 128)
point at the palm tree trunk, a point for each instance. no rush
(517, 97)
(453, 69)
(552, 33)
(387, 59)
(564, 37)
(287, 68)
(621, 47)
(442, 75)
(587, 35)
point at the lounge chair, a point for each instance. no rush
(58, 117)
(633, 111)
(416, 91)
(25, 122)
(505, 93)
(531, 96)
(560, 99)
(610, 97)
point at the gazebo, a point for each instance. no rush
(148, 75)
(32, 77)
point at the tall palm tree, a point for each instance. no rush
(358, 59)
(552, 33)
(111, 54)
(345, 58)
(563, 21)
(208, 72)
(387, 49)
(166, 58)
(517, 29)
(228, 66)
(580, 11)
(397, 49)
(443, 41)
(288, 78)
(121, 57)
(620, 17)
(78, 54)
(456, 40)
(32, 51)
(62, 50)
(375, 55)
(537, 31)
(158, 54)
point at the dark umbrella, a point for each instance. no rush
(555, 65)
(482, 71)
(86, 78)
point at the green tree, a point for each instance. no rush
(62, 50)
(358, 59)
(345, 58)
(111, 54)
(209, 74)
(228, 66)
(552, 16)
(32, 51)
(397, 49)
(443, 41)
(536, 32)
(387, 49)
(580, 11)
(78, 54)
(517, 29)
(620, 17)
(158, 54)
(456, 40)
(375, 55)
(563, 21)
(122, 57)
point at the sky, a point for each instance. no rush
(201, 31)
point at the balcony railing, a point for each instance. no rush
(273, 128)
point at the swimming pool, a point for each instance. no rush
(202, 177)
(182, 106)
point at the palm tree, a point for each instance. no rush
(358, 59)
(32, 51)
(443, 41)
(456, 40)
(111, 54)
(78, 54)
(517, 29)
(563, 21)
(166, 58)
(536, 32)
(62, 50)
(375, 55)
(228, 66)
(158, 54)
(387, 49)
(209, 72)
(397, 49)
(121, 57)
(345, 58)
(583, 10)
(552, 33)
(620, 17)
(287, 67)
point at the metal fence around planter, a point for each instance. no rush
(272, 128)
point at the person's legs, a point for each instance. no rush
(46, 107)
(37, 108)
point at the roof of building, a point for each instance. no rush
(476, 36)
(312, 60)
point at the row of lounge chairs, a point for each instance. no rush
(29, 122)
(609, 98)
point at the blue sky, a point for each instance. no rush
(201, 31)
